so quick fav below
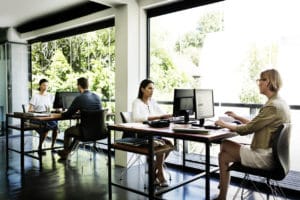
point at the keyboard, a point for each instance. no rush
(180, 121)
(192, 129)
(212, 127)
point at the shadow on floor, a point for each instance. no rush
(84, 178)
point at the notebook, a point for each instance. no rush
(132, 141)
(32, 114)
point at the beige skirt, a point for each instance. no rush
(256, 158)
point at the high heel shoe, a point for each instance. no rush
(164, 184)
(159, 183)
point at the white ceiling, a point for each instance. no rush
(16, 12)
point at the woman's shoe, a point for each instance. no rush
(159, 183)
(164, 184)
(156, 182)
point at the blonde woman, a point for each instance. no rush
(259, 154)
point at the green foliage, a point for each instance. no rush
(211, 22)
(208, 23)
(63, 61)
(165, 74)
(192, 41)
(257, 58)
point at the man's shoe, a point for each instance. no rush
(63, 154)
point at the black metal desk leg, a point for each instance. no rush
(151, 168)
(22, 146)
(207, 171)
(109, 165)
(184, 151)
(6, 132)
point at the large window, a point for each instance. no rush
(90, 55)
(224, 46)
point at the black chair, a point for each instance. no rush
(281, 167)
(92, 128)
(127, 118)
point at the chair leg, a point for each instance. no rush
(132, 160)
(99, 150)
(275, 189)
(75, 146)
(246, 194)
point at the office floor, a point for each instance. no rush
(82, 178)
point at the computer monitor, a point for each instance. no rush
(68, 99)
(204, 104)
(63, 100)
(183, 104)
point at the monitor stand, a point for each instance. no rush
(186, 115)
(200, 123)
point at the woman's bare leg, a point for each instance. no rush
(230, 152)
(54, 136)
(159, 167)
(41, 141)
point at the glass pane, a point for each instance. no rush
(224, 46)
(64, 60)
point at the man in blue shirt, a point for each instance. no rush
(85, 101)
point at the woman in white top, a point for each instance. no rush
(144, 108)
(41, 102)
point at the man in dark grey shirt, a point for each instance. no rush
(85, 101)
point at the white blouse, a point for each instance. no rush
(40, 102)
(141, 111)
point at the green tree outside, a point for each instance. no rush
(90, 55)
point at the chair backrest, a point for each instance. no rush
(281, 152)
(93, 125)
(126, 117)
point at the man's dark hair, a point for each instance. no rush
(83, 82)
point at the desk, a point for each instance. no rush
(215, 136)
(22, 127)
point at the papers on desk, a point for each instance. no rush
(190, 129)
(129, 125)
(32, 114)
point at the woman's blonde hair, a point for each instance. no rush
(273, 76)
